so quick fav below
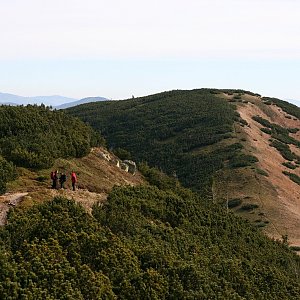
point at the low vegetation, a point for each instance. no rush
(34, 136)
(159, 241)
(169, 130)
(234, 202)
(289, 165)
(280, 138)
(248, 206)
(7, 173)
(144, 243)
(262, 172)
(292, 176)
(242, 160)
(289, 108)
(284, 150)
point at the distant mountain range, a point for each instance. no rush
(82, 101)
(56, 101)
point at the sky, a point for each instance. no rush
(117, 49)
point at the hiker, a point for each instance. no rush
(62, 180)
(54, 177)
(73, 179)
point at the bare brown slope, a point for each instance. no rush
(277, 197)
(96, 177)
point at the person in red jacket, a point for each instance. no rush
(73, 179)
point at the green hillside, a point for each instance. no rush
(34, 136)
(289, 108)
(156, 241)
(145, 243)
(176, 131)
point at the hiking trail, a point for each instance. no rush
(98, 173)
(7, 201)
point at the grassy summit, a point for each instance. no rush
(144, 243)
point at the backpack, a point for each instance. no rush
(52, 175)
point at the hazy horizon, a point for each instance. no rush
(69, 99)
(118, 49)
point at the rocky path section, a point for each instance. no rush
(6, 202)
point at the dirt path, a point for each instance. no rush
(97, 174)
(84, 197)
(6, 202)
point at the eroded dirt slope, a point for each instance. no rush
(275, 194)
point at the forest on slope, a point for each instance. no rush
(157, 241)
(34, 136)
(148, 242)
(170, 129)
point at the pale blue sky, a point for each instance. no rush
(116, 48)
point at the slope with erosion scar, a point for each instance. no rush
(277, 197)
(96, 178)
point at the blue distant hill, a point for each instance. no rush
(82, 101)
(47, 100)
(56, 101)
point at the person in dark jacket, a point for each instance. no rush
(54, 177)
(62, 180)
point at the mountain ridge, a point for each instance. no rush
(22, 100)
(56, 101)
(142, 236)
(81, 101)
(195, 134)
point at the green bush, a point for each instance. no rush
(7, 173)
(234, 202)
(266, 130)
(122, 153)
(292, 176)
(286, 139)
(293, 130)
(262, 172)
(242, 160)
(243, 122)
(237, 97)
(295, 248)
(276, 129)
(42, 178)
(249, 206)
(284, 150)
(289, 165)
(33, 136)
(261, 224)
(143, 243)
(267, 102)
